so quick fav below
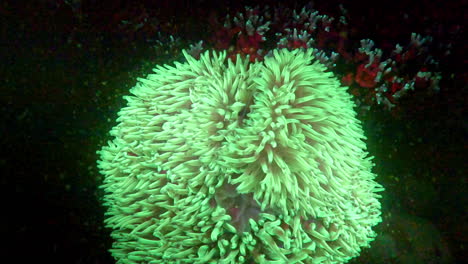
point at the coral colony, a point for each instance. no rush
(377, 77)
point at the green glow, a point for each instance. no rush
(222, 162)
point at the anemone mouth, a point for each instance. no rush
(240, 206)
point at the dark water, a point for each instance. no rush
(66, 65)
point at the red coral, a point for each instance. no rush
(395, 87)
(348, 79)
(366, 75)
(395, 84)
(296, 44)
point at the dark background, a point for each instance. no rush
(66, 64)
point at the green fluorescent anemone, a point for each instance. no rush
(215, 161)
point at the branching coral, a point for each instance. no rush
(216, 161)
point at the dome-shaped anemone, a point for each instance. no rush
(222, 162)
